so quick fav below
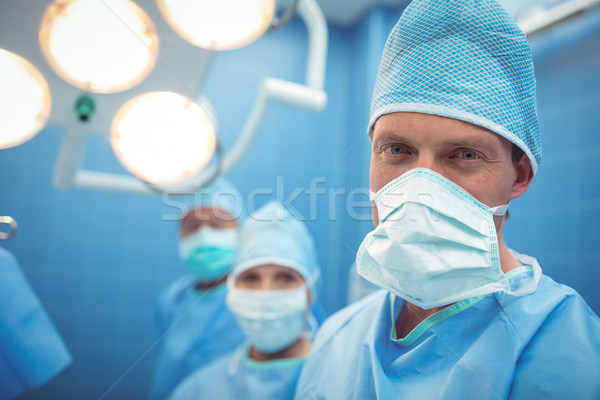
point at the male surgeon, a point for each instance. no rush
(455, 138)
(193, 325)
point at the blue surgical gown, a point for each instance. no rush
(236, 376)
(545, 345)
(31, 349)
(193, 328)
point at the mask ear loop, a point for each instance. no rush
(499, 210)
(312, 325)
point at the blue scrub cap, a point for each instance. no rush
(272, 235)
(462, 59)
(220, 194)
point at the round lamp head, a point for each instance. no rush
(218, 25)
(99, 46)
(163, 137)
(24, 100)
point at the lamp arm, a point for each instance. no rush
(309, 96)
(70, 158)
(317, 43)
(558, 13)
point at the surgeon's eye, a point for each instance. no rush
(395, 149)
(467, 155)
(248, 278)
(287, 278)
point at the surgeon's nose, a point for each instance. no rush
(266, 284)
(429, 161)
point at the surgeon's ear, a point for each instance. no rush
(523, 177)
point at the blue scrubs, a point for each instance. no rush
(31, 349)
(236, 376)
(545, 345)
(197, 327)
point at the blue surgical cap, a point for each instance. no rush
(220, 194)
(462, 59)
(272, 235)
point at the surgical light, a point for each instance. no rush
(218, 25)
(100, 46)
(163, 137)
(24, 100)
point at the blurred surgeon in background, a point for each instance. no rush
(192, 323)
(271, 289)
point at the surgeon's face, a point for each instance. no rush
(473, 157)
(199, 217)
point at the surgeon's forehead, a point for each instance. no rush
(208, 214)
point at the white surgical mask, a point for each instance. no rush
(209, 252)
(435, 243)
(271, 319)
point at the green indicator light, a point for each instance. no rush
(84, 106)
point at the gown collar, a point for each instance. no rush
(427, 323)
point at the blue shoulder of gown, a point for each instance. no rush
(498, 346)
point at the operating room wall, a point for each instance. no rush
(98, 260)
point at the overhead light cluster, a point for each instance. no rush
(111, 46)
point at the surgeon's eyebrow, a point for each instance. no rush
(392, 136)
(385, 132)
(462, 143)
(479, 143)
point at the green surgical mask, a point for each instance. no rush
(209, 253)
